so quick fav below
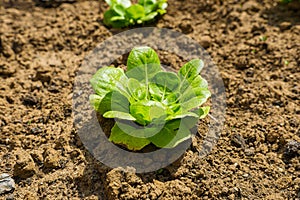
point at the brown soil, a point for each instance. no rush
(256, 45)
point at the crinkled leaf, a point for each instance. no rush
(119, 115)
(109, 79)
(146, 111)
(117, 136)
(171, 98)
(156, 92)
(137, 90)
(142, 64)
(167, 80)
(175, 108)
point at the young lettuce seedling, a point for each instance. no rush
(123, 13)
(149, 104)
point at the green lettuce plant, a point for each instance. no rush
(149, 104)
(123, 13)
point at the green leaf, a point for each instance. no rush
(105, 104)
(171, 135)
(113, 101)
(149, 16)
(95, 101)
(149, 5)
(167, 80)
(119, 9)
(183, 115)
(139, 131)
(156, 92)
(117, 18)
(111, 14)
(171, 98)
(146, 111)
(194, 98)
(135, 12)
(109, 79)
(142, 64)
(137, 90)
(199, 82)
(119, 115)
(191, 69)
(161, 11)
(117, 136)
(202, 112)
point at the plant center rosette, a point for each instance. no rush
(150, 105)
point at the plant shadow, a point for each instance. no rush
(92, 181)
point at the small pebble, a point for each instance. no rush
(249, 152)
(292, 149)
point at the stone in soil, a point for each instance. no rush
(7, 184)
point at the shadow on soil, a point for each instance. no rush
(283, 13)
(92, 182)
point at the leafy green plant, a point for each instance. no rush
(149, 104)
(123, 13)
